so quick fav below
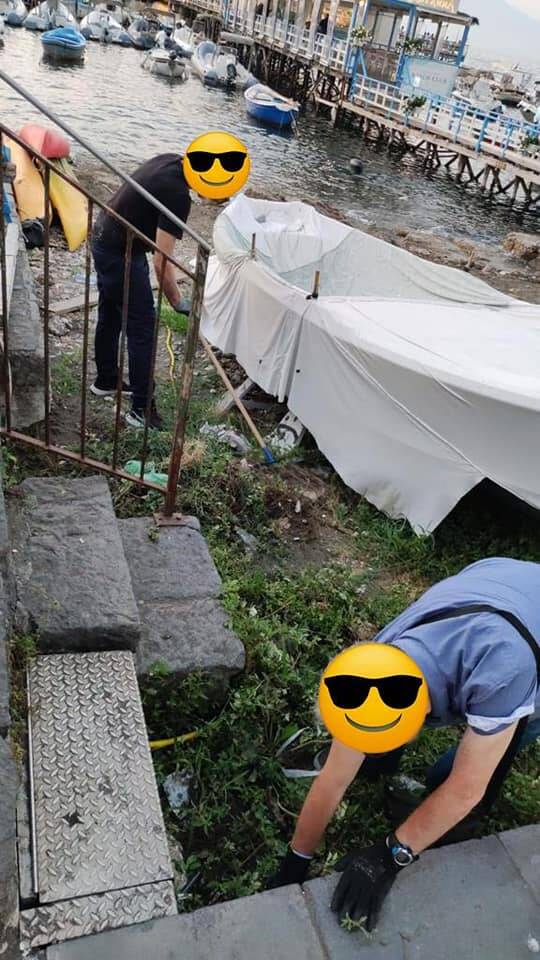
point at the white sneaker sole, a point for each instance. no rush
(98, 392)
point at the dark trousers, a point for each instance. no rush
(141, 319)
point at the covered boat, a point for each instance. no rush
(143, 32)
(101, 25)
(64, 43)
(219, 66)
(269, 107)
(416, 380)
(49, 16)
(163, 62)
(184, 40)
(15, 13)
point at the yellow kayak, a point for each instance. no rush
(28, 185)
(70, 204)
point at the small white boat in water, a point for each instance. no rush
(101, 25)
(15, 13)
(219, 66)
(49, 16)
(165, 63)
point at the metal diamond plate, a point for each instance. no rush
(98, 818)
(80, 918)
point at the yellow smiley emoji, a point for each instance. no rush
(373, 698)
(216, 165)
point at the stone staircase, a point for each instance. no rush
(107, 599)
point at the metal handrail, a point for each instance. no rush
(197, 276)
(102, 159)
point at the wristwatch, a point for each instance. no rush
(401, 854)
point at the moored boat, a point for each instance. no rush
(165, 63)
(267, 106)
(101, 25)
(143, 32)
(65, 44)
(47, 16)
(15, 13)
(218, 66)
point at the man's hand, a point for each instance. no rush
(293, 869)
(165, 270)
(368, 875)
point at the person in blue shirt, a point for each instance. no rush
(476, 638)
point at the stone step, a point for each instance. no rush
(26, 349)
(177, 589)
(100, 854)
(72, 580)
(477, 899)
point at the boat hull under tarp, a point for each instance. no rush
(417, 381)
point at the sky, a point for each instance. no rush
(507, 27)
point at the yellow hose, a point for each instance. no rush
(172, 358)
(158, 744)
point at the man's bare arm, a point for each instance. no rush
(164, 268)
(476, 760)
(325, 796)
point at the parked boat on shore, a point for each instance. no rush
(64, 44)
(267, 106)
(165, 63)
(46, 16)
(218, 66)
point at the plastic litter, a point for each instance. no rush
(225, 435)
(133, 467)
(250, 542)
(176, 787)
(291, 772)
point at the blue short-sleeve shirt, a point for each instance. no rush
(478, 667)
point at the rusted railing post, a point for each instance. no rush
(184, 396)
(46, 270)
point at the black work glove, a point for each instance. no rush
(292, 869)
(368, 875)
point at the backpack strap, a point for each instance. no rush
(494, 785)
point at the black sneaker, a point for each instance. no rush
(136, 417)
(100, 389)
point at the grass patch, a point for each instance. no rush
(292, 618)
(22, 649)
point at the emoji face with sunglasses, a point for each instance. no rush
(216, 165)
(373, 698)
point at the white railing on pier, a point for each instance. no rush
(287, 37)
(454, 122)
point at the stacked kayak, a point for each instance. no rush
(64, 43)
(68, 203)
(270, 107)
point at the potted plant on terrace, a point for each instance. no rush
(412, 45)
(360, 36)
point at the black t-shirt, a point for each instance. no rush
(163, 177)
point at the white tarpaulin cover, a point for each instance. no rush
(416, 380)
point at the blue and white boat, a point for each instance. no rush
(270, 107)
(15, 13)
(64, 43)
(49, 15)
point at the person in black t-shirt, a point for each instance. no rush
(164, 179)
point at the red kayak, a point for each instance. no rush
(49, 143)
